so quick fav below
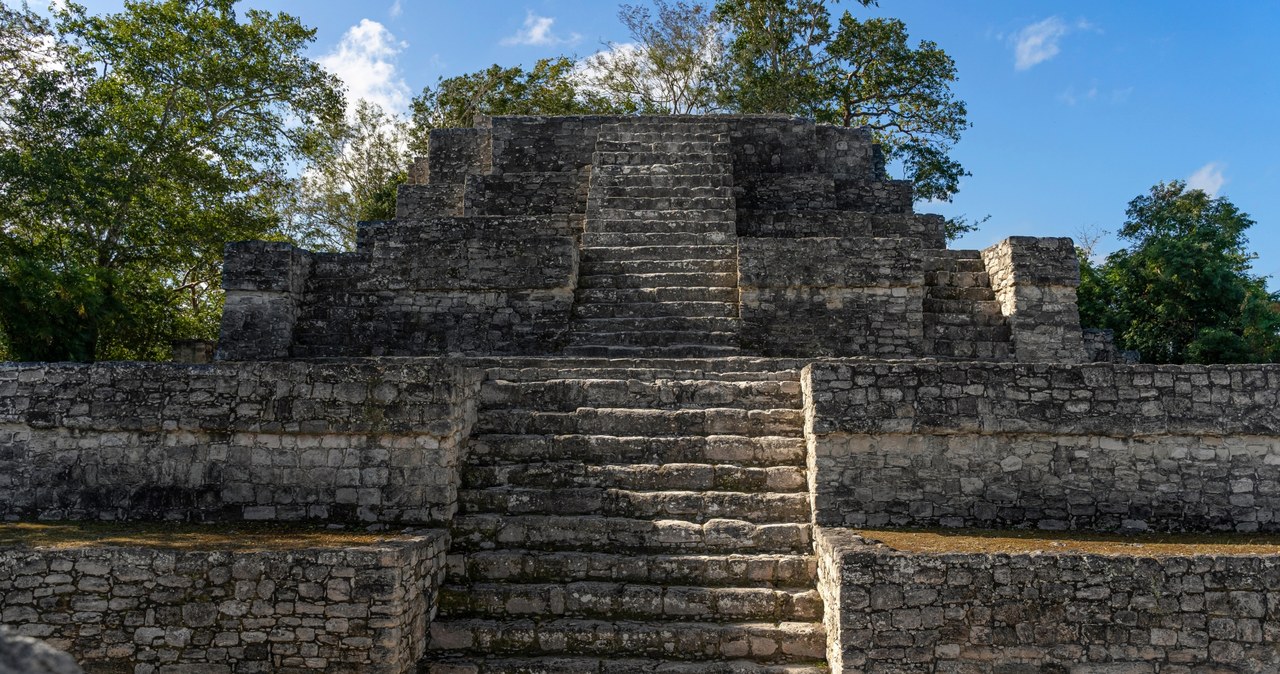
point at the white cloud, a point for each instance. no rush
(365, 60)
(536, 32)
(1038, 42)
(397, 9)
(1208, 178)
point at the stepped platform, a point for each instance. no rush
(649, 395)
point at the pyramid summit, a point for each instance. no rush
(647, 395)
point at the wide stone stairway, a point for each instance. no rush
(636, 519)
(659, 259)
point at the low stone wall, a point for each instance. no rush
(354, 441)
(890, 611)
(1101, 446)
(831, 296)
(151, 611)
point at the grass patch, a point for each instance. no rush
(1017, 542)
(233, 536)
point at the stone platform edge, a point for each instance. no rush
(888, 610)
(361, 608)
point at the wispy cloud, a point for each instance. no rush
(397, 8)
(536, 32)
(365, 61)
(1073, 96)
(1038, 42)
(1209, 178)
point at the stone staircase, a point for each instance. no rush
(625, 520)
(962, 318)
(659, 262)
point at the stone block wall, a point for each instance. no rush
(264, 284)
(1101, 446)
(831, 296)
(153, 611)
(889, 611)
(360, 441)
(1035, 281)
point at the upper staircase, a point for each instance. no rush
(658, 260)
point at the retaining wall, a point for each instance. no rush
(1100, 446)
(831, 296)
(354, 441)
(149, 611)
(890, 611)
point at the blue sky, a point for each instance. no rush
(1076, 107)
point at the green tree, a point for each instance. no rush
(161, 133)
(671, 65)
(552, 87)
(1183, 290)
(787, 56)
(355, 178)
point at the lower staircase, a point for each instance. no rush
(624, 520)
(962, 318)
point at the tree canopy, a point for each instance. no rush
(552, 87)
(1183, 291)
(154, 136)
(788, 56)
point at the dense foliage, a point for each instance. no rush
(1182, 291)
(130, 153)
(788, 56)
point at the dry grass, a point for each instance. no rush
(1023, 542)
(237, 536)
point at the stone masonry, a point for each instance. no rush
(643, 380)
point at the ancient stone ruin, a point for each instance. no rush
(626, 395)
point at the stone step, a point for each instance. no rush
(760, 642)
(569, 394)
(665, 351)
(689, 280)
(663, 145)
(711, 222)
(665, 202)
(959, 279)
(970, 294)
(606, 213)
(593, 533)
(969, 350)
(943, 306)
(662, 294)
(794, 571)
(646, 180)
(660, 158)
(686, 168)
(954, 264)
(631, 239)
(643, 423)
(692, 506)
(594, 267)
(677, 252)
(489, 450)
(655, 338)
(684, 477)
(448, 664)
(942, 331)
(742, 368)
(985, 319)
(641, 324)
(627, 601)
(621, 309)
(605, 190)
